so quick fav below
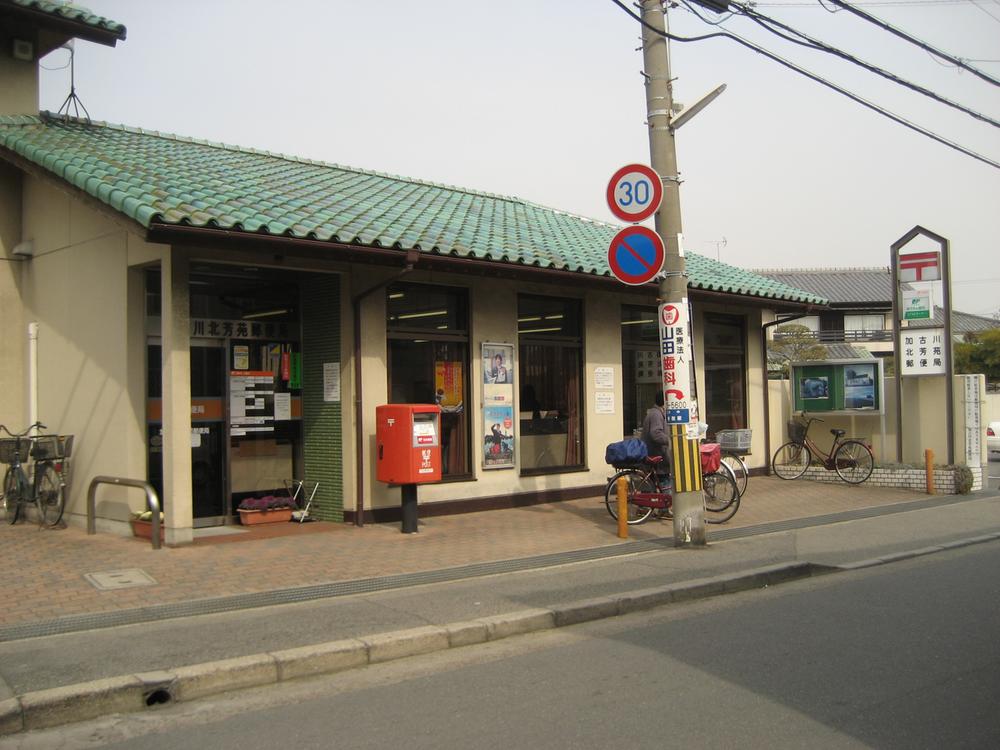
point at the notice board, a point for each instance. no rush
(842, 386)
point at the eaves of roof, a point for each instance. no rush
(175, 187)
(72, 19)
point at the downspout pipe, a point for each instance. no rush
(767, 383)
(359, 503)
(33, 373)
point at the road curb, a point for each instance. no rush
(143, 691)
(138, 692)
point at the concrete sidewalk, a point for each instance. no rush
(218, 616)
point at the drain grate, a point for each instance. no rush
(112, 580)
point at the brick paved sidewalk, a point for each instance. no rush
(45, 569)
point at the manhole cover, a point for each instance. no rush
(119, 579)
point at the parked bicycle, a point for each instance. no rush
(648, 491)
(736, 444)
(45, 488)
(851, 459)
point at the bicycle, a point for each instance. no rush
(735, 444)
(46, 487)
(851, 459)
(649, 491)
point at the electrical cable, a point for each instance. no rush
(913, 40)
(811, 43)
(813, 77)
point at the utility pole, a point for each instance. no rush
(674, 316)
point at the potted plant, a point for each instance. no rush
(142, 524)
(267, 509)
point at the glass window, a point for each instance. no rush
(428, 348)
(864, 322)
(725, 373)
(550, 366)
(641, 368)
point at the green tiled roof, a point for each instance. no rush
(72, 12)
(156, 179)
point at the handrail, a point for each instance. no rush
(152, 503)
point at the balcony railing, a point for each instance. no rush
(837, 337)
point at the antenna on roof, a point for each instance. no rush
(72, 100)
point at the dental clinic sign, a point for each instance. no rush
(922, 351)
(676, 362)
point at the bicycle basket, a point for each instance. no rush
(737, 441)
(45, 447)
(8, 446)
(796, 431)
(711, 457)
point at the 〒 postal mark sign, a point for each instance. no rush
(634, 193)
(920, 266)
(635, 255)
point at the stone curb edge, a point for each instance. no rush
(137, 692)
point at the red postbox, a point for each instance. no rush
(408, 443)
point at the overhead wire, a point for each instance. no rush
(913, 40)
(813, 77)
(805, 40)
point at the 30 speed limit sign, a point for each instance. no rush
(634, 193)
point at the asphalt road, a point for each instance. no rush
(904, 655)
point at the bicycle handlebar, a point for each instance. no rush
(36, 426)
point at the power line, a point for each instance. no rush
(816, 78)
(810, 42)
(913, 40)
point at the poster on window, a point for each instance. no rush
(448, 387)
(498, 442)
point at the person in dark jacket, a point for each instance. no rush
(655, 434)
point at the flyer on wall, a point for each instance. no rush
(498, 405)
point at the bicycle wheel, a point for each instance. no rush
(854, 461)
(49, 496)
(739, 469)
(11, 496)
(791, 460)
(722, 498)
(638, 481)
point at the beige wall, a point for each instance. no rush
(20, 85)
(13, 330)
(76, 287)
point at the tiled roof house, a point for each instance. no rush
(212, 318)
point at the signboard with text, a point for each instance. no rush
(675, 358)
(922, 351)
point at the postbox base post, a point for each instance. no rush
(409, 501)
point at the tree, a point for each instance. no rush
(792, 342)
(980, 353)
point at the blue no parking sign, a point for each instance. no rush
(635, 255)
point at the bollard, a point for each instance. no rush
(929, 468)
(622, 486)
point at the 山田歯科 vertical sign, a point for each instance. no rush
(675, 360)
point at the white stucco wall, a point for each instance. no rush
(77, 288)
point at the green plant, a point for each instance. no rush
(963, 478)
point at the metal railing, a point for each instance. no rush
(152, 503)
(836, 337)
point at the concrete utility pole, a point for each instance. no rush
(689, 508)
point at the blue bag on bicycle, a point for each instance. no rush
(625, 452)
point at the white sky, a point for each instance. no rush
(542, 99)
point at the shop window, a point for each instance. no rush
(427, 328)
(725, 372)
(550, 366)
(641, 369)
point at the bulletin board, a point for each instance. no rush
(842, 386)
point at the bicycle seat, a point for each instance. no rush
(654, 459)
(838, 433)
